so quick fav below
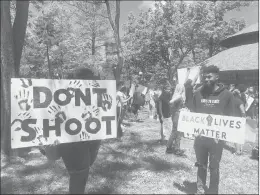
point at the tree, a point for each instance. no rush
(177, 34)
(12, 39)
(115, 26)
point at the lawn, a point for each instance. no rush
(136, 165)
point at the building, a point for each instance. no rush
(239, 62)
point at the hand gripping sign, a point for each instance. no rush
(46, 110)
(227, 128)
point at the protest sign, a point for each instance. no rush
(132, 90)
(249, 101)
(45, 110)
(227, 128)
(192, 73)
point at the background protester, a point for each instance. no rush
(78, 157)
(122, 100)
(209, 148)
(251, 107)
(163, 109)
(239, 111)
(177, 103)
(242, 88)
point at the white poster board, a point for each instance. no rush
(45, 110)
(249, 101)
(231, 129)
(193, 72)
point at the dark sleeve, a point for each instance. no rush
(193, 106)
(229, 108)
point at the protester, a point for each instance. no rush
(208, 147)
(242, 88)
(163, 110)
(239, 111)
(251, 109)
(121, 107)
(138, 101)
(78, 156)
(177, 103)
(190, 87)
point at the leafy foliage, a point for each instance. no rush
(177, 34)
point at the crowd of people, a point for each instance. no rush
(165, 105)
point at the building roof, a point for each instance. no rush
(247, 35)
(243, 57)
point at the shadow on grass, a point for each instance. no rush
(13, 185)
(143, 146)
(229, 148)
(32, 169)
(159, 165)
(187, 187)
(102, 190)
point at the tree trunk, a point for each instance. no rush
(49, 63)
(115, 27)
(93, 44)
(211, 42)
(19, 30)
(7, 72)
(193, 55)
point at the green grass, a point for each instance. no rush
(137, 164)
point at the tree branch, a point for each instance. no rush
(109, 15)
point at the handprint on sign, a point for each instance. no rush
(23, 100)
(39, 135)
(20, 118)
(72, 86)
(56, 111)
(84, 135)
(26, 83)
(106, 102)
(94, 83)
(89, 112)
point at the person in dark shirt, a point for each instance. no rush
(78, 157)
(163, 110)
(209, 148)
(177, 102)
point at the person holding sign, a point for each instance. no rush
(177, 103)
(239, 111)
(78, 156)
(211, 98)
(164, 113)
(121, 104)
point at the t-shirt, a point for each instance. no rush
(119, 95)
(237, 103)
(165, 99)
(138, 99)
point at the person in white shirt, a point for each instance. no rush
(122, 100)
